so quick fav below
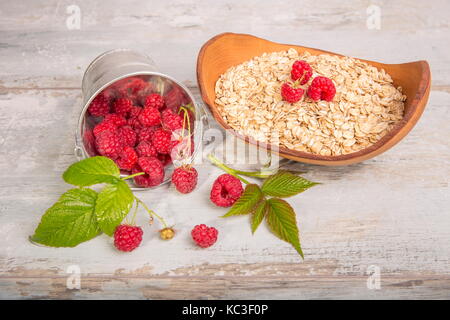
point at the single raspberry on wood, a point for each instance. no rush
(154, 170)
(127, 238)
(322, 88)
(117, 120)
(185, 179)
(291, 94)
(108, 144)
(149, 117)
(162, 141)
(99, 107)
(301, 70)
(127, 136)
(146, 149)
(122, 107)
(104, 126)
(226, 190)
(155, 101)
(127, 159)
(204, 236)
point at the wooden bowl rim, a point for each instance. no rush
(415, 107)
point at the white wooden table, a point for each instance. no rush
(389, 214)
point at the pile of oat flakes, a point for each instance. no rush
(365, 108)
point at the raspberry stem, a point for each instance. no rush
(151, 212)
(225, 168)
(133, 175)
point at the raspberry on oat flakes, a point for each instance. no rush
(162, 141)
(154, 101)
(204, 236)
(226, 190)
(117, 120)
(108, 144)
(146, 149)
(185, 179)
(127, 238)
(291, 94)
(322, 88)
(127, 159)
(302, 71)
(149, 117)
(122, 107)
(99, 107)
(154, 170)
(127, 135)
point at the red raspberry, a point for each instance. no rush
(122, 107)
(154, 172)
(134, 123)
(146, 134)
(99, 107)
(154, 101)
(302, 71)
(185, 179)
(127, 238)
(150, 117)
(204, 236)
(226, 190)
(127, 136)
(175, 98)
(134, 112)
(117, 120)
(108, 144)
(146, 149)
(322, 88)
(162, 141)
(171, 121)
(104, 126)
(291, 94)
(127, 159)
(165, 159)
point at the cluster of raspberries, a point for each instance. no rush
(321, 88)
(135, 129)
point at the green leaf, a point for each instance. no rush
(247, 202)
(69, 221)
(282, 221)
(285, 184)
(91, 171)
(113, 204)
(259, 215)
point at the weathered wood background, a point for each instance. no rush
(391, 212)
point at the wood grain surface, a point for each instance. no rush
(390, 212)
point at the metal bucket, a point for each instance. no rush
(122, 64)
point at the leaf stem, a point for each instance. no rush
(225, 168)
(151, 212)
(257, 174)
(133, 175)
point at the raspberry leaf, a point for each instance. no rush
(92, 171)
(113, 204)
(247, 202)
(285, 184)
(282, 221)
(259, 215)
(69, 221)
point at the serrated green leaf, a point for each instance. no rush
(91, 171)
(284, 184)
(247, 202)
(69, 221)
(282, 221)
(113, 204)
(258, 215)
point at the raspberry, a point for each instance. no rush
(185, 179)
(162, 142)
(146, 149)
(204, 236)
(291, 94)
(117, 120)
(134, 123)
(301, 70)
(104, 126)
(154, 101)
(171, 121)
(127, 238)
(150, 117)
(122, 107)
(165, 159)
(127, 159)
(322, 88)
(134, 112)
(146, 134)
(226, 190)
(154, 172)
(99, 107)
(127, 136)
(108, 144)
(175, 98)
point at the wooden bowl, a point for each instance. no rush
(229, 49)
